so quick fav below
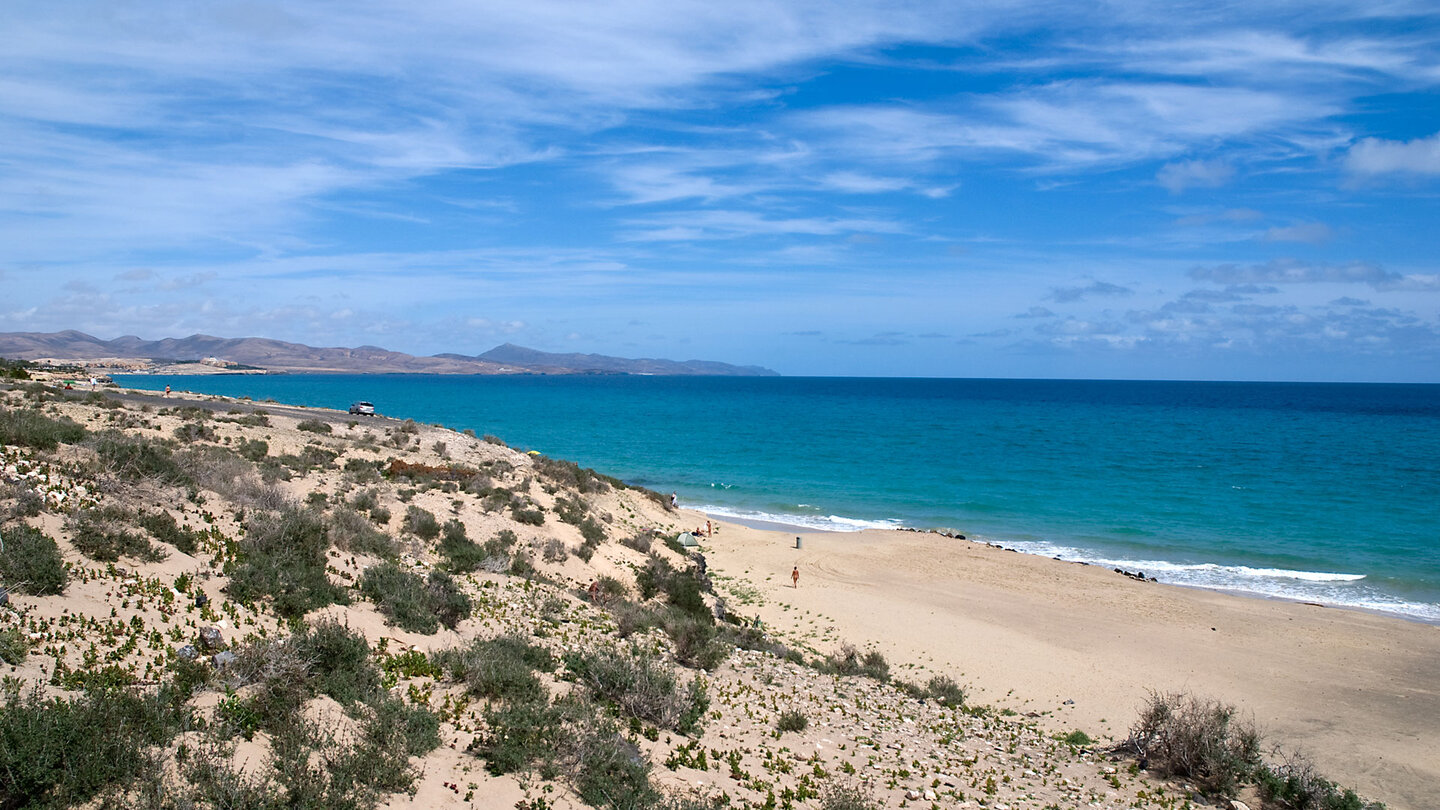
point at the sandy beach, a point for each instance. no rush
(1356, 691)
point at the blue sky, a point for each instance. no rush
(1009, 189)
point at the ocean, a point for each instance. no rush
(1317, 492)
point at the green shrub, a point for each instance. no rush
(415, 604)
(638, 684)
(351, 531)
(844, 795)
(849, 661)
(1179, 734)
(502, 668)
(13, 645)
(401, 596)
(398, 726)
(530, 515)
(422, 523)
(164, 528)
(282, 555)
(104, 534)
(30, 428)
(943, 690)
(314, 426)
(31, 562)
(791, 720)
(136, 458)
(253, 449)
(449, 604)
(1294, 785)
(57, 752)
(518, 733)
(339, 662)
(610, 771)
(189, 432)
(462, 555)
(1077, 739)
(696, 641)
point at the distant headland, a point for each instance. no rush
(205, 354)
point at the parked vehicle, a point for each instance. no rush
(362, 408)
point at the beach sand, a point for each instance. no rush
(1355, 691)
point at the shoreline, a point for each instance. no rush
(1077, 646)
(782, 527)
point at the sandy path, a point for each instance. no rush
(1359, 692)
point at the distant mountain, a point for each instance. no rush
(277, 355)
(512, 355)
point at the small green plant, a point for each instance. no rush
(792, 720)
(1077, 738)
(314, 426)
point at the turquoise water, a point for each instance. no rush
(1319, 492)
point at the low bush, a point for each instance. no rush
(13, 645)
(282, 555)
(520, 733)
(449, 604)
(529, 514)
(352, 531)
(57, 752)
(30, 562)
(253, 449)
(401, 596)
(422, 523)
(164, 528)
(106, 534)
(30, 428)
(1179, 734)
(314, 426)
(189, 432)
(845, 795)
(137, 458)
(415, 604)
(849, 661)
(462, 555)
(338, 660)
(791, 720)
(554, 550)
(640, 686)
(943, 690)
(501, 668)
(609, 771)
(1294, 785)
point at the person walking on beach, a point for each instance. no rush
(795, 577)
(674, 500)
(167, 391)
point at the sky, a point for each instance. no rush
(981, 189)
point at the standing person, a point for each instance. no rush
(795, 577)
(674, 500)
(167, 392)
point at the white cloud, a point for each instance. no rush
(1377, 156)
(1314, 233)
(1186, 174)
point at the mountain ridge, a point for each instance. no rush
(268, 354)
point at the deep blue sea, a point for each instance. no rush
(1317, 492)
